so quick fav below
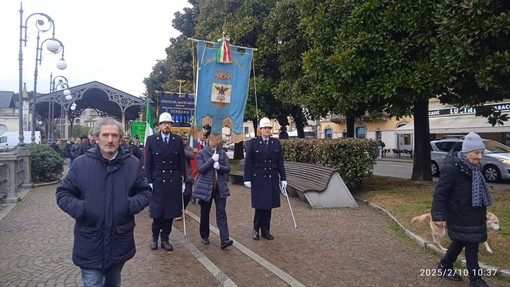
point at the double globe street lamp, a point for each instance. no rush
(56, 84)
(43, 24)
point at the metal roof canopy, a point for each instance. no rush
(94, 95)
(456, 124)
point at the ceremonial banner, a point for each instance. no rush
(181, 107)
(138, 128)
(222, 87)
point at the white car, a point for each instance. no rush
(495, 160)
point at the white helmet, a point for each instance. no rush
(265, 123)
(165, 117)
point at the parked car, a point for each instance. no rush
(495, 160)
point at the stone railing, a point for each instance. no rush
(15, 174)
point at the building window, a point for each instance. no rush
(77, 121)
(378, 136)
(361, 132)
(328, 133)
(407, 139)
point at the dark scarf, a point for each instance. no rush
(480, 190)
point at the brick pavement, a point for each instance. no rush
(330, 247)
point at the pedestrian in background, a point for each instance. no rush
(87, 142)
(264, 173)
(75, 147)
(189, 178)
(139, 145)
(213, 167)
(131, 147)
(460, 203)
(165, 169)
(103, 192)
(68, 151)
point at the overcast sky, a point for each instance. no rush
(111, 41)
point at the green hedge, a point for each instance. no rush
(352, 158)
(47, 164)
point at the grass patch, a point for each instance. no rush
(405, 199)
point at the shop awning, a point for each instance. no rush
(457, 125)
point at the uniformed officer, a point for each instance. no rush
(165, 168)
(264, 173)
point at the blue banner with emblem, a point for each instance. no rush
(222, 89)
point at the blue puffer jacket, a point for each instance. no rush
(205, 182)
(103, 197)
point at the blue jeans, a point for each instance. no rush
(69, 162)
(102, 278)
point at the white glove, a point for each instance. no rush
(183, 187)
(215, 156)
(247, 183)
(283, 186)
(150, 184)
(216, 165)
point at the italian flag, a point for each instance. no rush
(224, 54)
(148, 127)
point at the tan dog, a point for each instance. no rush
(438, 233)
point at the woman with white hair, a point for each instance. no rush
(460, 202)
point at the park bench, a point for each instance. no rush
(320, 186)
(237, 175)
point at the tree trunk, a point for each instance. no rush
(300, 127)
(422, 160)
(350, 126)
(239, 150)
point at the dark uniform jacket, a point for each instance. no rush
(103, 197)
(264, 168)
(452, 203)
(165, 168)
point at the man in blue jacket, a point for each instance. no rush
(103, 192)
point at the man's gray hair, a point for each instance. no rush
(107, 121)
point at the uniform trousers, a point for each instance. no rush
(262, 221)
(164, 225)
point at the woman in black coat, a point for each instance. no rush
(460, 200)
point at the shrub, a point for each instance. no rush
(352, 158)
(47, 164)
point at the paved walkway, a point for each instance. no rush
(330, 247)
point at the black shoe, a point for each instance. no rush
(449, 273)
(154, 245)
(166, 245)
(477, 282)
(226, 243)
(205, 241)
(268, 236)
(255, 235)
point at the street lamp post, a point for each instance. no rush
(43, 23)
(54, 46)
(57, 83)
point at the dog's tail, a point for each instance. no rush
(420, 218)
